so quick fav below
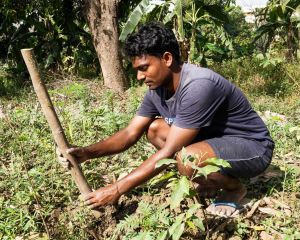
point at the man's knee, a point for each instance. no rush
(183, 164)
(153, 130)
(157, 129)
(194, 154)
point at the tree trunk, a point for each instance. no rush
(102, 21)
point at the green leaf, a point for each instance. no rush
(169, 16)
(162, 235)
(178, 221)
(218, 162)
(181, 189)
(214, 48)
(191, 225)
(192, 210)
(161, 178)
(178, 232)
(135, 17)
(208, 169)
(183, 153)
(199, 223)
(166, 161)
(199, 171)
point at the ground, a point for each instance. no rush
(38, 198)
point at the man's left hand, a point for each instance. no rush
(102, 196)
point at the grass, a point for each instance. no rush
(38, 199)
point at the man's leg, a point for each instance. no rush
(232, 188)
(157, 133)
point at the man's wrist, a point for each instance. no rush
(117, 187)
(121, 187)
(90, 152)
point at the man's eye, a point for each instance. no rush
(143, 68)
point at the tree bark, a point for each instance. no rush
(101, 17)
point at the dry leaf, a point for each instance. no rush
(269, 211)
(259, 228)
(266, 236)
(267, 201)
(288, 212)
(280, 204)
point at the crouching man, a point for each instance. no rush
(199, 110)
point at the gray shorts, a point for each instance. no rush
(248, 158)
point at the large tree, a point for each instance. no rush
(102, 20)
(57, 32)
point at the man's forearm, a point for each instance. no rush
(144, 172)
(116, 143)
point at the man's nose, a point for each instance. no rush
(140, 75)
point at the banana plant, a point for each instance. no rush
(143, 8)
(281, 18)
(190, 21)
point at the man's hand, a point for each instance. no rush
(102, 196)
(78, 152)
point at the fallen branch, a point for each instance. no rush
(253, 209)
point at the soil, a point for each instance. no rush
(241, 227)
(219, 228)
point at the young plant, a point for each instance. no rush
(170, 221)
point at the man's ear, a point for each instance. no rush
(168, 58)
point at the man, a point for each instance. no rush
(197, 109)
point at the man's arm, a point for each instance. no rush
(116, 143)
(177, 138)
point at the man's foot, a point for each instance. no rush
(228, 203)
(206, 192)
(206, 188)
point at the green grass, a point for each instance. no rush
(38, 197)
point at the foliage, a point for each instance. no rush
(152, 222)
(160, 222)
(259, 75)
(267, 59)
(56, 31)
(33, 185)
(27, 147)
(280, 19)
(203, 29)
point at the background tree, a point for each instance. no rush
(58, 32)
(200, 26)
(281, 18)
(102, 19)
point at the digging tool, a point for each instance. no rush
(53, 121)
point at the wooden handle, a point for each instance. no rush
(52, 119)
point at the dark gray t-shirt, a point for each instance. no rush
(205, 100)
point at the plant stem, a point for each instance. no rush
(199, 200)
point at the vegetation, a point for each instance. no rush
(38, 196)
(280, 19)
(38, 199)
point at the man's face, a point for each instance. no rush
(154, 71)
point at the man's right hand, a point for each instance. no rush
(79, 154)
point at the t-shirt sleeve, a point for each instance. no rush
(198, 103)
(147, 108)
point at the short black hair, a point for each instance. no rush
(153, 39)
